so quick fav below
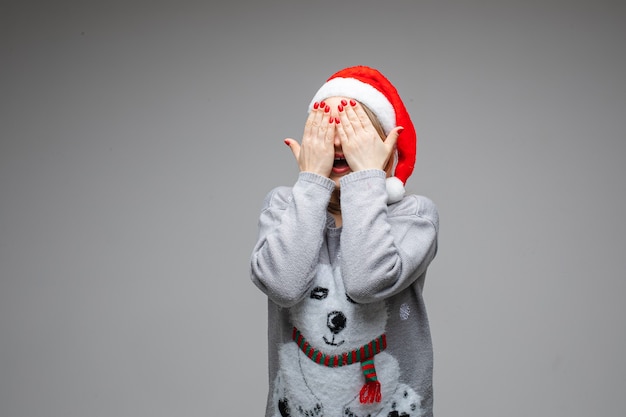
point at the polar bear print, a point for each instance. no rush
(325, 370)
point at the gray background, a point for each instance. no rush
(137, 140)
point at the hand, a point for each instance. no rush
(361, 144)
(317, 152)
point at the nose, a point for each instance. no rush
(336, 321)
(337, 141)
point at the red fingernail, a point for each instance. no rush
(316, 105)
(330, 119)
(322, 104)
(326, 109)
(340, 108)
(286, 142)
(352, 103)
(337, 120)
(344, 102)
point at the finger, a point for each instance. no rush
(345, 126)
(294, 146)
(357, 115)
(315, 117)
(391, 140)
(331, 129)
(319, 127)
(325, 108)
(326, 123)
(360, 123)
(342, 126)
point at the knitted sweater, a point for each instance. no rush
(348, 332)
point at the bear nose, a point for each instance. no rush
(336, 321)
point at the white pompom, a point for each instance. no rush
(395, 190)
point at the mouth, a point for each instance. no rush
(340, 165)
(332, 341)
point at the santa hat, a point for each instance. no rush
(370, 87)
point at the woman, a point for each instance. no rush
(342, 257)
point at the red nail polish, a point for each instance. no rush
(326, 109)
(352, 103)
(330, 119)
(340, 108)
(337, 120)
(316, 105)
(344, 102)
(286, 142)
(322, 104)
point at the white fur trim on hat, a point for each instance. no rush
(362, 92)
(395, 190)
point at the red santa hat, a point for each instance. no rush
(370, 87)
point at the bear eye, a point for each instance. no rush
(319, 293)
(350, 299)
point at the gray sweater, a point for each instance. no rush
(335, 293)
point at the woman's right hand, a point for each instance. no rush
(316, 153)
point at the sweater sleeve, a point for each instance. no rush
(384, 248)
(291, 232)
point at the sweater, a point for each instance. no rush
(348, 332)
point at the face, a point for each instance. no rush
(333, 322)
(340, 166)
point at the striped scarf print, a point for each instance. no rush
(364, 355)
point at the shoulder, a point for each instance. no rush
(416, 205)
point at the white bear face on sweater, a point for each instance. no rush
(335, 326)
(334, 323)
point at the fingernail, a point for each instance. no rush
(322, 104)
(330, 119)
(326, 109)
(340, 108)
(352, 103)
(337, 120)
(286, 142)
(316, 105)
(344, 103)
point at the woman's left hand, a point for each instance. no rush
(361, 144)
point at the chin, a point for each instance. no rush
(337, 179)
